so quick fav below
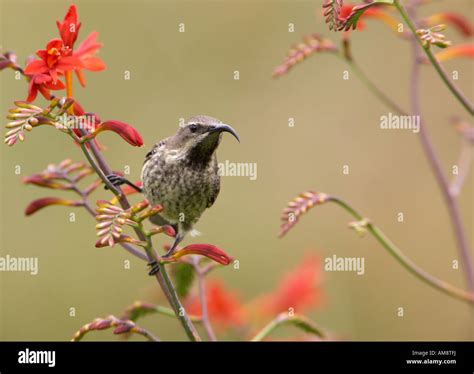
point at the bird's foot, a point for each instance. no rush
(154, 268)
(118, 180)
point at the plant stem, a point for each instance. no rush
(100, 166)
(404, 260)
(203, 301)
(434, 61)
(443, 182)
(372, 87)
(283, 319)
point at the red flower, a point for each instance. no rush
(53, 61)
(42, 83)
(208, 250)
(457, 51)
(38, 204)
(454, 19)
(127, 132)
(223, 306)
(85, 53)
(298, 290)
(69, 29)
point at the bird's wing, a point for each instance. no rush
(159, 220)
(215, 188)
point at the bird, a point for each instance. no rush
(181, 174)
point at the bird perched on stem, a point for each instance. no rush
(181, 174)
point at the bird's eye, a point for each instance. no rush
(193, 127)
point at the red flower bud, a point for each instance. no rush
(127, 132)
(36, 205)
(207, 250)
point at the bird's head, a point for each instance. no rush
(199, 136)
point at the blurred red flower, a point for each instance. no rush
(298, 290)
(223, 306)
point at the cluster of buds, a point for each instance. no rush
(63, 176)
(120, 327)
(433, 36)
(332, 10)
(311, 44)
(23, 118)
(299, 206)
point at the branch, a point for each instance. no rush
(443, 182)
(434, 61)
(402, 258)
(203, 300)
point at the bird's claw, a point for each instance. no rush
(115, 179)
(154, 268)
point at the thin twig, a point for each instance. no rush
(203, 300)
(402, 258)
(464, 164)
(435, 163)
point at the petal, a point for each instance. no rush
(36, 67)
(93, 63)
(457, 51)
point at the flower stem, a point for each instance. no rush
(434, 61)
(203, 301)
(404, 260)
(376, 91)
(68, 76)
(99, 164)
(443, 182)
(283, 319)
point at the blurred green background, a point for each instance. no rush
(176, 75)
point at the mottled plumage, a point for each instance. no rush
(181, 173)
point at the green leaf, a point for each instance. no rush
(183, 275)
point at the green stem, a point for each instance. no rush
(404, 260)
(101, 168)
(434, 61)
(302, 322)
(377, 92)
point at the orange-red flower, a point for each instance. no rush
(457, 51)
(456, 20)
(127, 132)
(42, 83)
(208, 250)
(53, 61)
(86, 54)
(375, 12)
(69, 28)
(299, 290)
(38, 204)
(223, 306)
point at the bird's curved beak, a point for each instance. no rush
(222, 127)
